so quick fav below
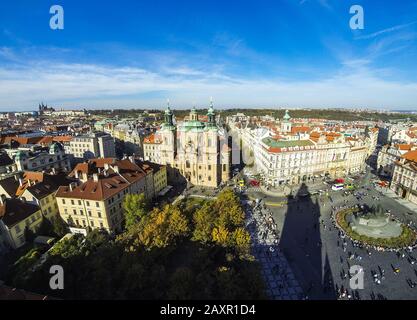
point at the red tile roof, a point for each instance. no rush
(109, 181)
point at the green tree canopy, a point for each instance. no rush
(135, 207)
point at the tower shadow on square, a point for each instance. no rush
(301, 243)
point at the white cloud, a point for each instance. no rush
(385, 31)
(97, 86)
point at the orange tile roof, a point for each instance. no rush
(107, 185)
(404, 146)
(46, 140)
(63, 138)
(152, 139)
(295, 130)
(411, 156)
(21, 140)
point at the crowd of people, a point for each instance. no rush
(266, 236)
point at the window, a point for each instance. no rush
(99, 214)
(88, 203)
(79, 202)
(92, 223)
(97, 204)
(18, 230)
(89, 213)
(63, 201)
(72, 202)
(101, 225)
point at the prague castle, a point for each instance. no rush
(196, 150)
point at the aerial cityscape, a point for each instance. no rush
(194, 160)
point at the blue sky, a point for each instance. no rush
(263, 53)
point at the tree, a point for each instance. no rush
(204, 219)
(221, 236)
(45, 228)
(181, 284)
(59, 227)
(241, 239)
(159, 229)
(136, 207)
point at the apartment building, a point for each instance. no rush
(7, 165)
(15, 216)
(289, 154)
(93, 145)
(41, 159)
(95, 201)
(404, 178)
(37, 188)
(389, 155)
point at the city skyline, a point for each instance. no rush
(287, 54)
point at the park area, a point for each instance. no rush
(195, 249)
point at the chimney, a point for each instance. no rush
(72, 185)
(29, 183)
(116, 169)
(132, 159)
(53, 171)
(106, 166)
(20, 181)
(84, 176)
(77, 176)
(2, 199)
(95, 177)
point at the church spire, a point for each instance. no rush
(211, 115)
(168, 115)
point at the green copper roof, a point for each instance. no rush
(285, 144)
(287, 115)
(166, 126)
(193, 124)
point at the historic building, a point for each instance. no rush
(15, 216)
(93, 145)
(290, 154)
(95, 199)
(404, 178)
(389, 155)
(193, 149)
(41, 159)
